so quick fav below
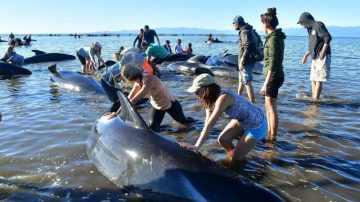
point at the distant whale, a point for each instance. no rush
(195, 66)
(131, 155)
(75, 81)
(41, 56)
(7, 69)
(173, 58)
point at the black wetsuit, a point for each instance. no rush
(175, 111)
(139, 39)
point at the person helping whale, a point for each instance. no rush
(248, 123)
(87, 54)
(154, 54)
(161, 99)
(12, 57)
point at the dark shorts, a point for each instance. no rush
(81, 58)
(272, 90)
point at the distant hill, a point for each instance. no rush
(336, 31)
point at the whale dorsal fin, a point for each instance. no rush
(128, 112)
(54, 71)
(38, 52)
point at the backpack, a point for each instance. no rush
(258, 49)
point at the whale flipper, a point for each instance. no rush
(38, 52)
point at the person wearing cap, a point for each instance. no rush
(12, 57)
(87, 55)
(248, 123)
(245, 62)
(167, 46)
(319, 49)
(178, 48)
(161, 99)
(149, 35)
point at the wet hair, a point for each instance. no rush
(270, 18)
(208, 95)
(178, 41)
(141, 30)
(189, 44)
(131, 72)
(146, 27)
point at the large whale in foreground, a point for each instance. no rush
(7, 69)
(41, 56)
(127, 152)
(75, 81)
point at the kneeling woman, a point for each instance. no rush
(160, 98)
(248, 124)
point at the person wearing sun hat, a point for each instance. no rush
(87, 55)
(248, 124)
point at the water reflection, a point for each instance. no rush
(312, 114)
(55, 93)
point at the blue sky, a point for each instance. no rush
(67, 16)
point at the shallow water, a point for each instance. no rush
(44, 128)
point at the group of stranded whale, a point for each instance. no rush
(124, 148)
(116, 146)
(11, 70)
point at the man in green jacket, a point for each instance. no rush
(245, 61)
